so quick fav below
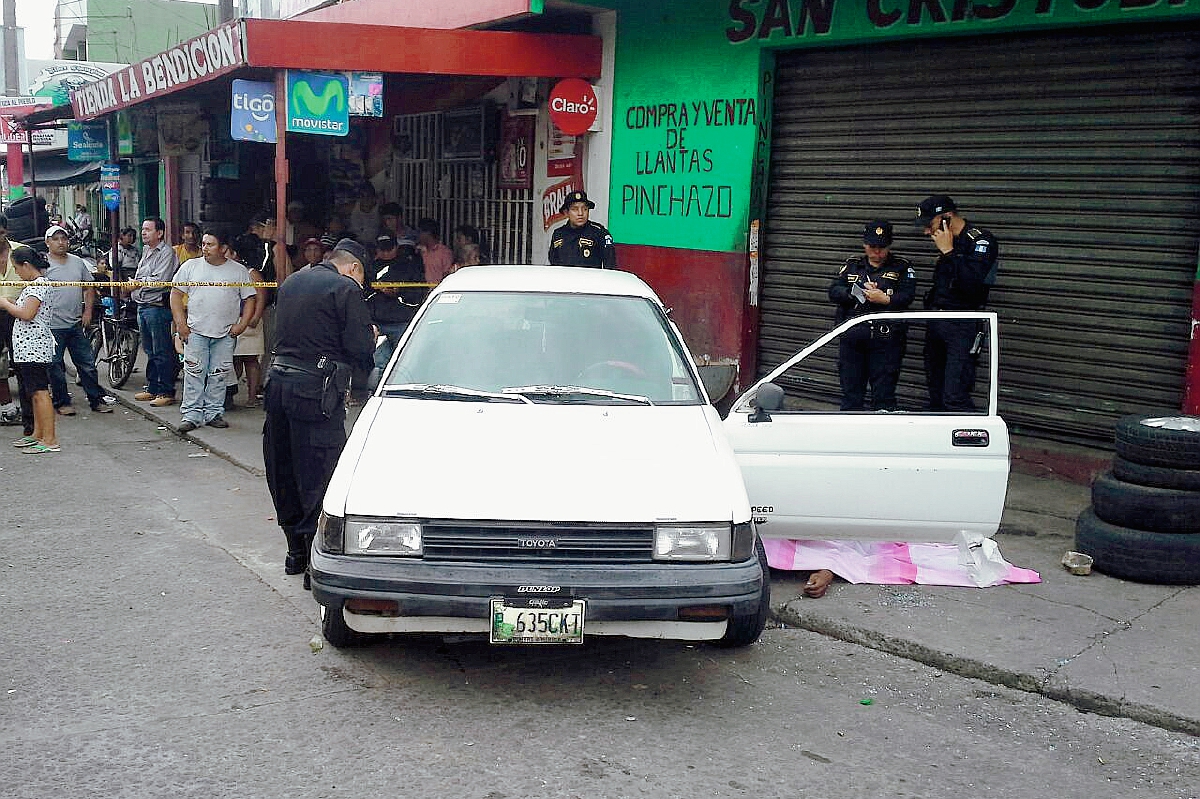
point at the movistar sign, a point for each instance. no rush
(318, 102)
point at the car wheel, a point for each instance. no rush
(1161, 510)
(745, 630)
(1156, 476)
(336, 631)
(1165, 439)
(1160, 558)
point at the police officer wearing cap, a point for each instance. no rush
(875, 282)
(581, 242)
(962, 277)
(324, 332)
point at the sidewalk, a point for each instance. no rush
(1098, 643)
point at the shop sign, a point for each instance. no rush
(210, 54)
(516, 151)
(573, 106)
(87, 141)
(252, 111)
(832, 22)
(110, 186)
(317, 103)
(366, 94)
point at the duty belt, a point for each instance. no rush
(314, 368)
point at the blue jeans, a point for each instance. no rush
(383, 353)
(73, 340)
(155, 325)
(206, 366)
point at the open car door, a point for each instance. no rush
(815, 472)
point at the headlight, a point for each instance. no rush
(383, 537)
(692, 542)
(329, 533)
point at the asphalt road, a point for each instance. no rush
(152, 647)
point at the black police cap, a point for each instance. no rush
(933, 206)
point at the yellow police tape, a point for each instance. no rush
(152, 284)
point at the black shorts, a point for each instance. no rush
(33, 377)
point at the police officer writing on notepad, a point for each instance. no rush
(581, 242)
(323, 332)
(962, 277)
(875, 282)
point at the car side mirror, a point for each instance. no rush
(769, 397)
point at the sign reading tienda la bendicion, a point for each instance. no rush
(213, 53)
(318, 102)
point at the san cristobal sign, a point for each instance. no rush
(213, 53)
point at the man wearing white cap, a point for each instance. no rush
(70, 313)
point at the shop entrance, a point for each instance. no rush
(457, 190)
(1077, 151)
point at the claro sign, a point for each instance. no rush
(210, 54)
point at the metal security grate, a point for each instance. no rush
(538, 543)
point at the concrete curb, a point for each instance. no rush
(149, 413)
(1043, 685)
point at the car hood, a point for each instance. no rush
(499, 461)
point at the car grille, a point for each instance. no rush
(534, 543)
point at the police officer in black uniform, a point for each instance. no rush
(962, 277)
(874, 282)
(581, 242)
(324, 332)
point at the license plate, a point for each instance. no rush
(537, 621)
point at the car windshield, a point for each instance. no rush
(544, 348)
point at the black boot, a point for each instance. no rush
(297, 556)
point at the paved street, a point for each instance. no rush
(154, 648)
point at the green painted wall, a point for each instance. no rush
(127, 31)
(692, 89)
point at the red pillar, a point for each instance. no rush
(1191, 384)
(283, 264)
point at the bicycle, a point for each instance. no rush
(117, 336)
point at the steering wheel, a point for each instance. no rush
(600, 367)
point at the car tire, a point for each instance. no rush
(1159, 510)
(1169, 438)
(1156, 476)
(1139, 555)
(335, 630)
(745, 630)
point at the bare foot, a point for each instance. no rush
(818, 583)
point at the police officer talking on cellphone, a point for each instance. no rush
(875, 282)
(323, 332)
(581, 242)
(962, 277)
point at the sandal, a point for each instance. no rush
(39, 448)
(65, 410)
(25, 441)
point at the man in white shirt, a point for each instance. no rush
(215, 315)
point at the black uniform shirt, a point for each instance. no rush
(895, 277)
(589, 244)
(963, 277)
(399, 310)
(322, 312)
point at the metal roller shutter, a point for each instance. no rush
(1079, 151)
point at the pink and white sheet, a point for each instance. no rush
(896, 563)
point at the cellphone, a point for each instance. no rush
(945, 222)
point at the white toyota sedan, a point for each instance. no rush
(540, 463)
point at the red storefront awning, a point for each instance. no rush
(339, 46)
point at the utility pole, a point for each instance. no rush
(224, 10)
(12, 67)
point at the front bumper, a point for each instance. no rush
(636, 600)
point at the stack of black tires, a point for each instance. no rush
(22, 225)
(1144, 522)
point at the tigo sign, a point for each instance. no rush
(252, 111)
(318, 102)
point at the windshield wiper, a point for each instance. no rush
(444, 392)
(572, 393)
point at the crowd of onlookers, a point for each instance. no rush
(214, 339)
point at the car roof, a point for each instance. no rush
(552, 279)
